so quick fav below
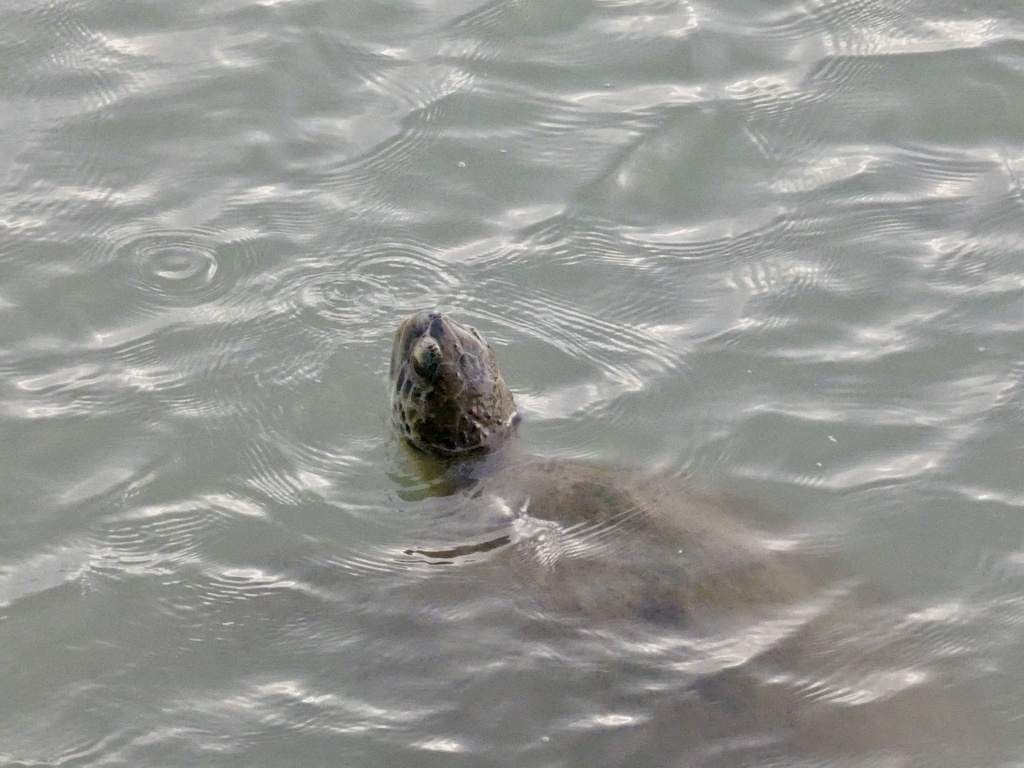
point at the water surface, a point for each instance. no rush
(775, 246)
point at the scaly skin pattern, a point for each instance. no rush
(447, 395)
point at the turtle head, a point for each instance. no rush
(447, 394)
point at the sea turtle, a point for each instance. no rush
(611, 542)
(769, 644)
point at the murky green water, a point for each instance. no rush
(777, 246)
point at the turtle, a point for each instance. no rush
(767, 630)
(607, 541)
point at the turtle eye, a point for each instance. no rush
(426, 358)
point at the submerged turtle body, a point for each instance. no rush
(773, 651)
(606, 541)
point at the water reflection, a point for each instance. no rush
(776, 247)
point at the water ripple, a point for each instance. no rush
(159, 540)
(69, 58)
(172, 268)
(370, 288)
(865, 27)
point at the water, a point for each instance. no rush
(776, 246)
